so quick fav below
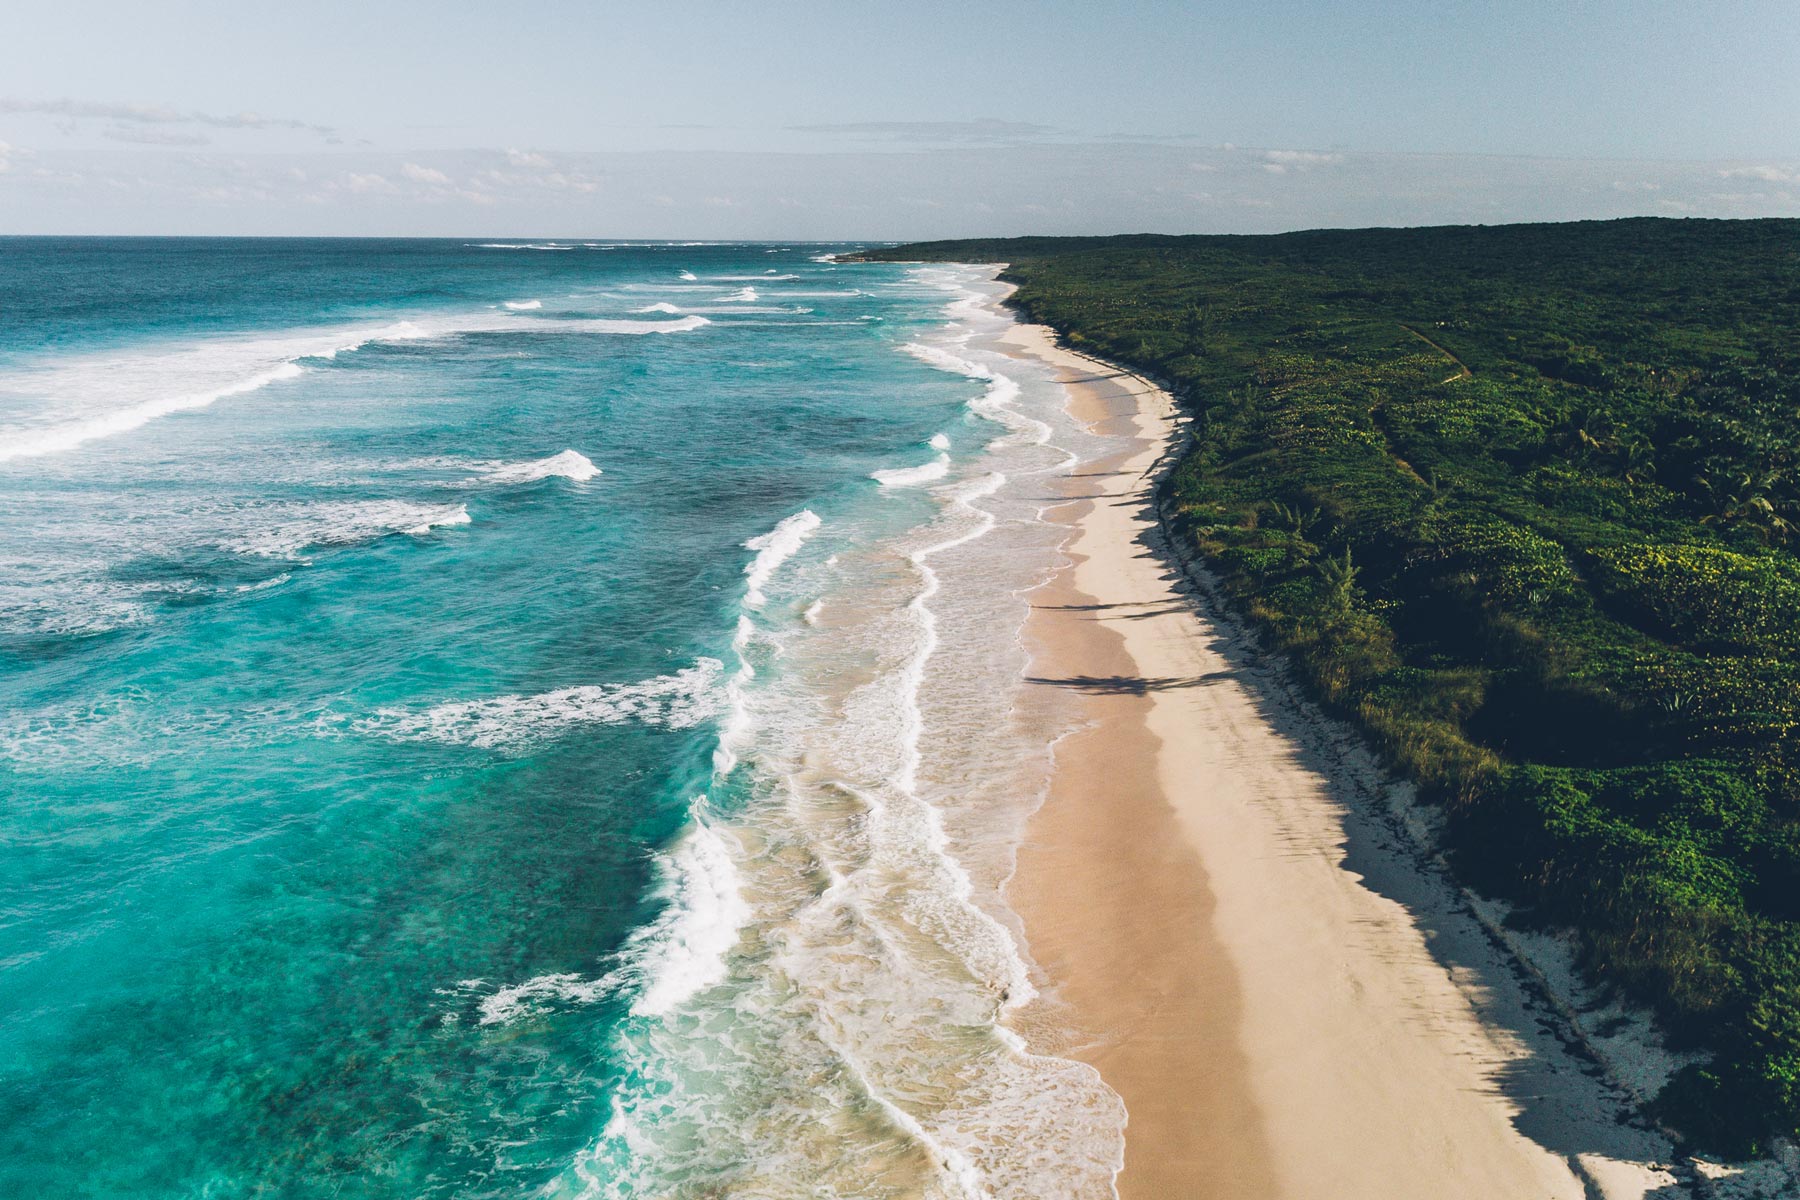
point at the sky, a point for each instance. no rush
(852, 120)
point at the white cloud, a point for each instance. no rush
(151, 114)
(986, 130)
(152, 136)
(369, 184)
(418, 174)
(5, 152)
(1767, 174)
(1279, 161)
(526, 158)
(551, 181)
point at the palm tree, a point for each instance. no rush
(1294, 519)
(1338, 574)
(1586, 432)
(1744, 500)
(1637, 461)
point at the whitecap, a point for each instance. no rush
(678, 701)
(689, 276)
(438, 521)
(744, 295)
(943, 360)
(913, 476)
(524, 305)
(276, 581)
(68, 435)
(338, 523)
(539, 995)
(774, 548)
(661, 306)
(683, 952)
(668, 961)
(940, 441)
(100, 396)
(605, 325)
(569, 464)
(734, 730)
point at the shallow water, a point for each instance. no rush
(486, 722)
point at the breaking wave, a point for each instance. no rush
(678, 701)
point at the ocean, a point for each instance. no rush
(522, 719)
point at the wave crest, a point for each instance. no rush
(678, 701)
(344, 523)
(914, 476)
(569, 464)
(774, 548)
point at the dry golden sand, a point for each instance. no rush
(1276, 1023)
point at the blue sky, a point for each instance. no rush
(900, 120)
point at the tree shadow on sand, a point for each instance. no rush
(1124, 685)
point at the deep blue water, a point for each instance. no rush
(273, 511)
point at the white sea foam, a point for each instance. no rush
(607, 325)
(666, 962)
(661, 306)
(275, 581)
(678, 701)
(683, 952)
(743, 295)
(734, 730)
(689, 275)
(569, 464)
(940, 441)
(943, 360)
(524, 305)
(289, 529)
(914, 476)
(540, 995)
(106, 395)
(69, 434)
(811, 615)
(436, 520)
(997, 399)
(522, 246)
(774, 548)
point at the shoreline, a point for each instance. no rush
(1291, 997)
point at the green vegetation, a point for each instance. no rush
(1523, 502)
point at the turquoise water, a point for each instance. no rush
(493, 720)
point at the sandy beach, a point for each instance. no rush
(1291, 997)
